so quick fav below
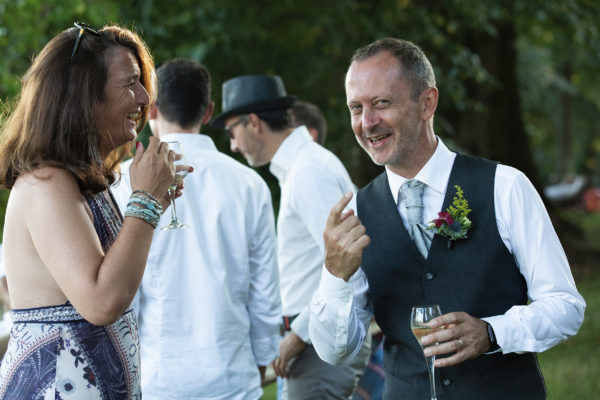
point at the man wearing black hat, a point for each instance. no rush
(256, 117)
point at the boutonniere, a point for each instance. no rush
(453, 223)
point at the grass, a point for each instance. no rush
(572, 369)
(270, 391)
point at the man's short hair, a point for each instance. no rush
(308, 114)
(277, 120)
(415, 67)
(183, 91)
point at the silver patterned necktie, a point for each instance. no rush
(411, 194)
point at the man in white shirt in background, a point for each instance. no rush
(505, 287)
(209, 304)
(256, 117)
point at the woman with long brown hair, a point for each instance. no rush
(73, 263)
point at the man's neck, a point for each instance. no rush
(165, 127)
(410, 168)
(275, 139)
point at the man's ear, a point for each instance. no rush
(314, 134)
(153, 111)
(429, 102)
(209, 113)
(254, 122)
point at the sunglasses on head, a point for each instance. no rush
(82, 28)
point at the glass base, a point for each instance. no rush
(174, 225)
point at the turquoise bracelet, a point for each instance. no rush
(149, 196)
(139, 213)
(145, 206)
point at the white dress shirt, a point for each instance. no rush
(340, 310)
(209, 306)
(312, 180)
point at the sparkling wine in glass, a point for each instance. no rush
(419, 323)
(181, 172)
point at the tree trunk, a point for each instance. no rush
(498, 132)
(565, 137)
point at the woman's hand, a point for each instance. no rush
(152, 170)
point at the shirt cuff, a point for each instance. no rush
(498, 324)
(265, 350)
(300, 325)
(332, 287)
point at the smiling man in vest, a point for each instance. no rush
(501, 277)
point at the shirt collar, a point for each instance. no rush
(190, 141)
(286, 153)
(435, 173)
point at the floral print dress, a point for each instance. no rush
(54, 353)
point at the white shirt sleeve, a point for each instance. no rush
(555, 309)
(339, 316)
(264, 301)
(300, 325)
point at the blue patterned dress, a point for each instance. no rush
(54, 353)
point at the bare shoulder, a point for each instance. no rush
(46, 176)
(46, 192)
(47, 181)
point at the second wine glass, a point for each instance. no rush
(420, 317)
(180, 173)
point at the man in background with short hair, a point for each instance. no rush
(209, 304)
(309, 115)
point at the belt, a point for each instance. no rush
(287, 322)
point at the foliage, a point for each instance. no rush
(27, 25)
(560, 53)
(309, 45)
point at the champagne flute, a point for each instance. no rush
(180, 173)
(419, 324)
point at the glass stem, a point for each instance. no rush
(173, 210)
(431, 368)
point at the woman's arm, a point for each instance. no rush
(56, 216)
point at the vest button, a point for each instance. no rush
(447, 382)
(429, 276)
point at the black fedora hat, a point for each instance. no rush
(252, 93)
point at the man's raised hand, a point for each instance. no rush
(345, 240)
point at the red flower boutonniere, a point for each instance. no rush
(453, 223)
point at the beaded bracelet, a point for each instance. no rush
(145, 206)
(146, 200)
(149, 196)
(141, 214)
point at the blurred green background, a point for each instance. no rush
(518, 84)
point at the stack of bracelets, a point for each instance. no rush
(145, 206)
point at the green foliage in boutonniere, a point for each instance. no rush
(453, 223)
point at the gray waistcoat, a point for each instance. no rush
(476, 275)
